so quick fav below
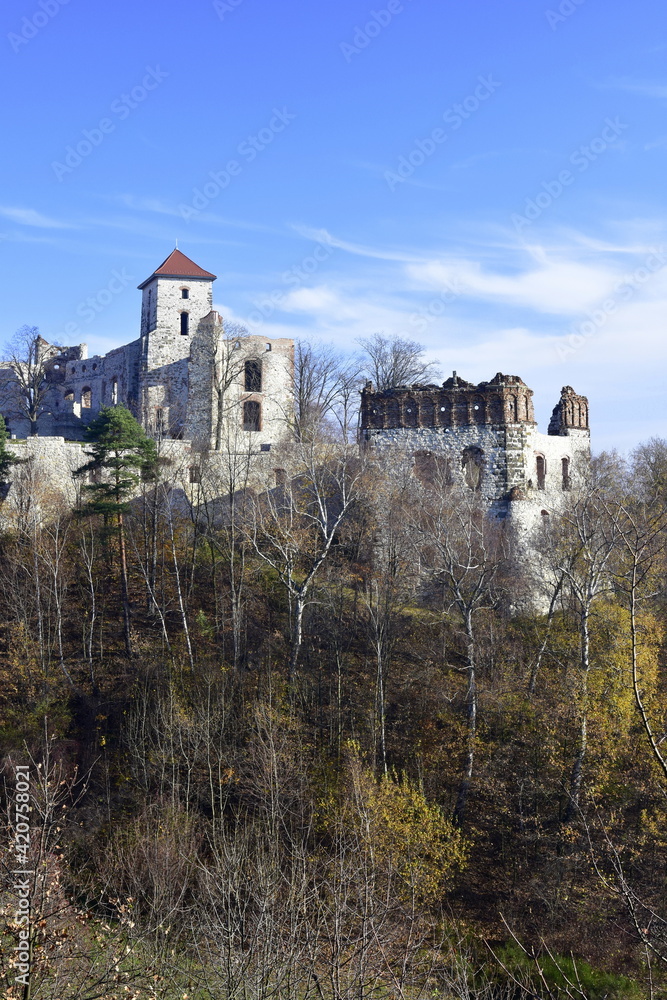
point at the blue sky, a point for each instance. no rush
(486, 178)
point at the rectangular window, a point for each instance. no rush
(252, 416)
(253, 376)
(185, 324)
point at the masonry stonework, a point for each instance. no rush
(171, 376)
(487, 437)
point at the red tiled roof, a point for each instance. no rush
(177, 265)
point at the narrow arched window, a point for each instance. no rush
(195, 474)
(472, 463)
(253, 376)
(541, 465)
(114, 391)
(185, 324)
(185, 293)
(86, 398)
(393, 415)
(565, 462)
(513, 409)
(252, 416)
(410, 412)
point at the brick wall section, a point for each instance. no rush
(519, 464)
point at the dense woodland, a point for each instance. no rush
(329, 734)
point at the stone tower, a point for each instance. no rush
(177, 297)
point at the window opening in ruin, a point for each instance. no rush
(185, 293)
(268, 347)
(114, 391)
(159, 421)
(410, 413)
(427, 412)
(253, 376)
(195, 474)
(512, 406)
(69, 396)
(281, 476)
(472, 462)
(478, 411)
(392, 413)
(252, 416)
(265, 447)
(566, 473)
(541, 465)
(185, 324)
(86, 398)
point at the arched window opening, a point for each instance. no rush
(541, 465)
(281, 476)
(185, 324)
(427, 412)
(377, 416)
(478, 410)
(159, 421)
(267, 347)
(445, 413)
(513, 409)
(195, 474)
(114, 391)
(252, 416)
(526, 408)
(393, 415)
(410, 412)
(86, 398)
(185, 293)
(69, 395)
(565, 462)
(472, 462)
(496, 410)
(253, 376)
(584, 415)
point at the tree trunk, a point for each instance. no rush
(578, 767)
(297, 634)
(124, 589)
(471, 712)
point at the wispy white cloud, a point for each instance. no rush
(31, 217)
(653, 89)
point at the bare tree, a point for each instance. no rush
(29, 357)
(325, 384)
(293, 526)
(464, 549)
(393, 361)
